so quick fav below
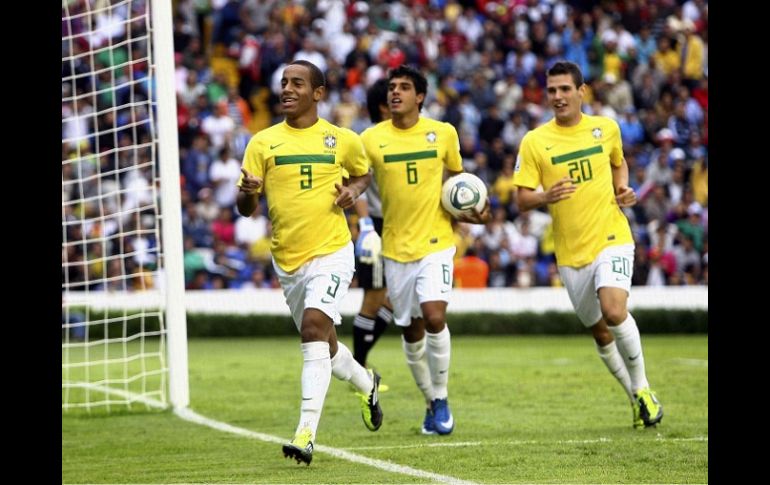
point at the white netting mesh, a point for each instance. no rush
(110, 205)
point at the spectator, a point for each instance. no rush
(471, 271)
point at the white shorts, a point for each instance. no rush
(320, 283)
(613, 267)
(409, 284)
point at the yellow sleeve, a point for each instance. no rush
(365, 141)
(453, 161)
(355, 161)
(527, 172)
(616, 149)
(253, 161)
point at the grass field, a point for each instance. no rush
(527, 410)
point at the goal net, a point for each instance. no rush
(123, 321)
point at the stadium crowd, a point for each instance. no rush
(646, 66)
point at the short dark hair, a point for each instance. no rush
(376, 96)
(317, 78)
(566, 67)
(420, 83)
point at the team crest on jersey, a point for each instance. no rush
(431, 137)
(597, 133)
(330, 141)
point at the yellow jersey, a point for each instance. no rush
(299, 168)
(409, 169)
(590, 220)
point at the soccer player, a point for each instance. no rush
(409, 154)
(578, 160)
(298, 164)
(376, 312)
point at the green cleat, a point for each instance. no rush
(301, 447)
(370, 404)
(637, 417)
(382, 388)
(650, 410)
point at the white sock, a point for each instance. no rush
(614, 362)
(439, 349)
(418, 364)
(316, 374)
(630, 347)
(345, 367)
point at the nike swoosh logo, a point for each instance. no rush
(635, 357)
(307, 398)
(323, 300)
(444, 291)
(618, 278)
(442, 372)
(448, 424)
(273, 147)
(383, 146)
(548, 148)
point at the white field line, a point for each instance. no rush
(190, 415)
(517, 442)
(693, 362)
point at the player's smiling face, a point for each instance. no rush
(402, 96)
(297, 93)
(565, 98)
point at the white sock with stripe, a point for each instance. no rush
(316, 374)
(630, 347)
(617, 367)
(418, 364)
(439, 350)
(345, 367)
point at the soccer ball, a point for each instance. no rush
(462, 192)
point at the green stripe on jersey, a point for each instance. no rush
(289, 159)
(410, 157)
(578, 154)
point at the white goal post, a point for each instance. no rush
(121, 208)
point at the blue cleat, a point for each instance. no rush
(443, 421)
(427, 424)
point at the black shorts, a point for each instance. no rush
(370, 276)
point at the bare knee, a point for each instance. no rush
(316, 326)
(434, 314)
(602, 334)
(373, 299)
(415, 331)
(435, 322)
(614, 313)
(613, 304)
